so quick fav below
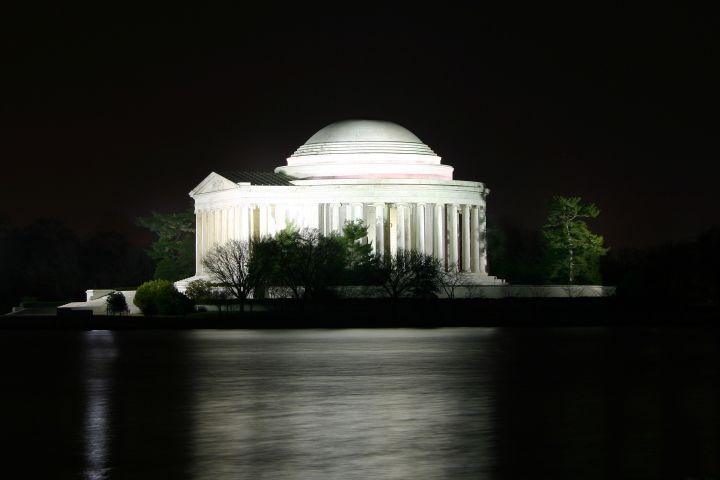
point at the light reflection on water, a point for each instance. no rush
(99, 355)
(588, 403)
(342, 404)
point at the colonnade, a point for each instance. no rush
(217, 225)
(453, 233)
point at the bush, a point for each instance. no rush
(199, 290)
(161, 297)
(116, 303)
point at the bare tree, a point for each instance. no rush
(408, 273)
(229, 265)
(450, 279)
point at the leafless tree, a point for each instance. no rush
(229, 265)
(450, 279)
(408, 273)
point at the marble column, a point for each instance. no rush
(232, 223)
(254, 220)
(280, 217)
(207, 227)
(466, 238)
(335, 218)
(419, 232)
(239, 226)
(347, 215)
(392, 230)
(380, 228)
(224, 224)
(325, 218)
(321, 218)
(217, 227)
(245, 223)
(483, 241)
(475, 239)
(263, 221)
(408, 226)
(439, 233)
(429, 213)
(452, 233)
(401, 207)
(331, 210)
(198, 241)
(358, 211)
(370, 223)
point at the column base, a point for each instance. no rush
(469, 278)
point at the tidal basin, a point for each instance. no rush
(328, 404)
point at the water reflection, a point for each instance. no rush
(99, 356)
(343, 404)
(508, 403)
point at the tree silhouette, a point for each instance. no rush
(408, 273)
(229, 265)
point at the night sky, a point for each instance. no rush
(108, 114)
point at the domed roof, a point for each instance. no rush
(364, 149)
(363, 136)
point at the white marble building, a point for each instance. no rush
(375, 171)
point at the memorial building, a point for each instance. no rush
(374, 171)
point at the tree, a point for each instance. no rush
(199, 290)
(203, 291)
(572, 250)
(359, 253)
(116, 303)
(174, 248)
(408, 273)
(161, 297)
(230, 266)
(450, 279)
(304, 261)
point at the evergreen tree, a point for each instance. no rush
(572, 250)
(359, 265)
(174, 248)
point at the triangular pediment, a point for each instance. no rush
(213, 183)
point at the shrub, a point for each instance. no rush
(161, 297)
(199, 290)
(116, 303)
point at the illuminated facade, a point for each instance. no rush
(374, 171)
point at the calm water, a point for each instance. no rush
(450, 403)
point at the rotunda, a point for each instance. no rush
(370, 170)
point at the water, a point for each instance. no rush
(381, 404)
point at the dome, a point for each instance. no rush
(363, 136)
(365, 149)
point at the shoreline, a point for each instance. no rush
(404, 313)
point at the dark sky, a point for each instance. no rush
(108, 114)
